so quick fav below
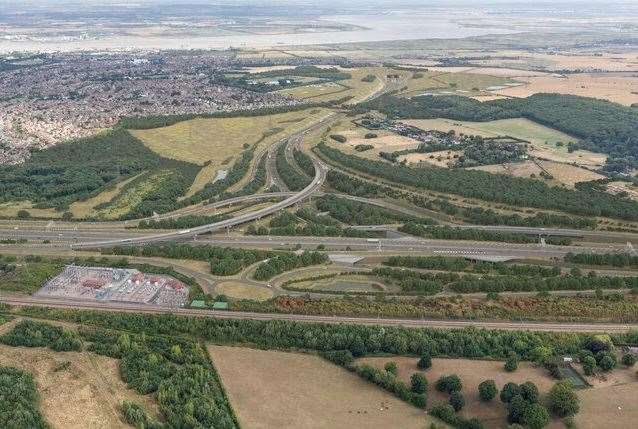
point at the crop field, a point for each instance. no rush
(269, 389)
(617, 87)
(77, 390)
(240, 290)
(471, 373)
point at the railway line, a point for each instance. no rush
(232, 315)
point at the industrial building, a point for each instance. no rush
(116, 285)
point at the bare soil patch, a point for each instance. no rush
(271, 389)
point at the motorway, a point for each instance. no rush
(413, 323)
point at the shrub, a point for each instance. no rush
(509, 391)
(419, 383)
(487, 390)
(391, 367)
(511, 364)
(425, 361)
(529, 392)
(607, 363)
(449, 384)
(535, 416)
(629, 359)
(562, 400)
(457, 401)
(589, 365)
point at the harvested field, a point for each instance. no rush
(271, 389)
(84, 393)
(240, 290)
(472, 373)
(568, 174)
(618, 87)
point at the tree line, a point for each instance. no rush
(451, 233)
(612, 259)
(515, 191)
(285, 262)
(294, 180)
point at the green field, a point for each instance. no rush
(460, 83)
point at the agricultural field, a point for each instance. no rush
(460, 83)
(77, 390)
(617, 87)
(568, 174)
(272, 389)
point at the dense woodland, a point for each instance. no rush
(294, 180)
(19, 400)
(612, 259)
(357, 213)
(514, 191)
(602, 126)
(223, 261)
(76, 170)
(287, 261)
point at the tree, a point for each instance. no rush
(562, 400)
(419, 383)
(529, 392)
(67, 215)
(511, 364)
(509, 391)
(589, 365)
(449, 383)
(535, 416)
(23, 214)
(425, 361)
(457, 401)
(607, 363)
(629, 359)
(391, 367)
(516, 409)
(487, 390)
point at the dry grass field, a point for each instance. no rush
(517, 169)
(453, 82)
(11, 209)
(546, 143)
(82, 209)
(84, 393)
(241, 290)
(568, 174)
(617, 87)
(472, 373)
(271, 389)
(441, 158)
(353, 87)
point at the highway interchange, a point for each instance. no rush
(93, 235)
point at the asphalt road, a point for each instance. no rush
(415, 323)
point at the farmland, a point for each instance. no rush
(452, 83)
(271, 389)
